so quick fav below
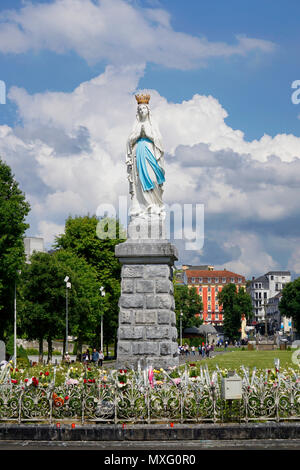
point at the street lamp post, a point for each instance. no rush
(102, 291)
(15, 326)
(266, 319)
(181, 315)
(15, 323)
(68, 286)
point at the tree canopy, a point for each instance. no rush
(42, 305)
(82, 237)
(289, 305)
(13, 209)
(189, 303)
(235, 303)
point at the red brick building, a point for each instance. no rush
(209, 283)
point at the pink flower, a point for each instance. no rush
(177, 380)
(150, 376)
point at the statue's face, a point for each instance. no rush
(142, 111)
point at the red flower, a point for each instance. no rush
(25, 380)
(66, 397)
(84, 381)
(47, 373)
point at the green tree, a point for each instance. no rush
(42, 305)
(189, 303)
(235, 303)
(289, 305)
(13, 211)
(95, 241)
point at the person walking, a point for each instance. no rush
(95, 357)
(86, 357)
(101, 358)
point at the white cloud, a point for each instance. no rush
(70, 157)
(114, 31)
(253, 258)
(48, 231)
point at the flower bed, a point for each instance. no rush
(186, 394)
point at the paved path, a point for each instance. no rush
(251, 444)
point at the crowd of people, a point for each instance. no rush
(203, 350)
(96, 358)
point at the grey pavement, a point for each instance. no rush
(191, 445)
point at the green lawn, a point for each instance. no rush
(232, 360)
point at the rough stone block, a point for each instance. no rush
(164, 301)
(127, 286)
(157, 332)
(131, 301)
(173, 319)
(128, 332)
(125, 316)
(145, 316)
(160, 301)
(157, 271)
(164, 286)
(164, 317)
(173, 333)
(132, 271)
(144, 286)
(145, 348)
(124, 347)
(165, 349)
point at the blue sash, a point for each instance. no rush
(142, 154)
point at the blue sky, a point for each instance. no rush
(256, 92)
(64, 64)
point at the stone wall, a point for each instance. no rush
(147, 332)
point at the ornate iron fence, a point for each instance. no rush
(139, 400)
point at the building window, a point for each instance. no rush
(216, 280)
(239, 280)
(208, 289)
(200, 279)
(200, 289)
(224, 280)
(209, 279)
(193, 280)
(232, 279)
(272, 278)
(217, 316)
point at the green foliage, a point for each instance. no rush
(189, 303)
(9, 345)
(85, 236)
(42, 304)
(13, 210)
(289, 305)
(235, 303)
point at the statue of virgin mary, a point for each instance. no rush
(145, 164)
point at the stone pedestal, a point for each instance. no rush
(147, 325)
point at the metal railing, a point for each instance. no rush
(137, 400)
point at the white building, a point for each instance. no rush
(264, 288)
(276, 321)
(31, 245)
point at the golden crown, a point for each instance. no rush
(142, 99)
